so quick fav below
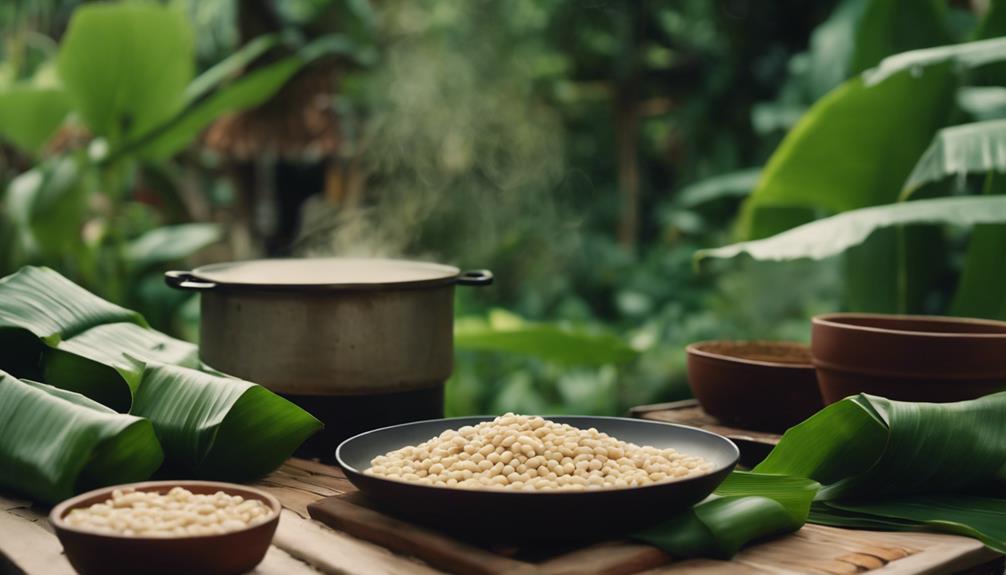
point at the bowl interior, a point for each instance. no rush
(357, 452)
(766, 352)
(919, 324)
(198, 487)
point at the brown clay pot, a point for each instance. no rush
(909, 358)
(229, 553)
(764, 385)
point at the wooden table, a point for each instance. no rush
(305, 546)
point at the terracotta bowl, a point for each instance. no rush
(235, 552)
(909, 358)
(764, 385)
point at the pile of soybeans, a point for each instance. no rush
(520, 453)
(177, 513)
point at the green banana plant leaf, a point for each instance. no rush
(209, 425)
(220, 427)
(245, 92)
(864, 462)
(54, 443)
(734, 184)
(983, 102)
(745, 507)
(505, 332)
(40, 307)
(125, 66)
(831, 236)
(979, 290)
(106, 362)
(229, 67)
(904, 466)
(883, 30)
(44, 205)
(966, 56)
(168, 244)
(853, 149)
(30, 115)
(960, 150)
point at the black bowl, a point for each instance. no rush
(538, 516)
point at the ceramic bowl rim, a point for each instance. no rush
(697, 349)
(834, 320)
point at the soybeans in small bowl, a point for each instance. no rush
(167, 527)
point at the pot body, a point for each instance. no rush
(347, 342)
(908, 358)
(356, 359)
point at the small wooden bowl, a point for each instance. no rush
(235, 552)
(763, 385)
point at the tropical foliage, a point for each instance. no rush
(120, 397)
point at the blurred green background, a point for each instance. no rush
(584, 150)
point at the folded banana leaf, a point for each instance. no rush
(40, 307)
(106, 362)
(54, 443)
(210, 425)
(220, 427)
(880, 464)
(745, 507)
(51, 328)
(902, 466)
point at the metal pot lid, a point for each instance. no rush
(326, 273)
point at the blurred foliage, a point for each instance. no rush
(582, 150)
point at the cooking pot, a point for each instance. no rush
(359, 343)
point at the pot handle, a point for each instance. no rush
(475, 278)
(185, 280)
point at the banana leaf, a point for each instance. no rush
(745, 507)
(831, 236)
(220, 427)
(54, 443)
(864, 462)
(502, 331)
(106, 362)
(904, 466)
(39, 307)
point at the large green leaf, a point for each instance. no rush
(246, 92)
(106, 362)
(229, 67)
(958, 151)
(46, 304)
(893, 26)
(168, 244)
(858, 144)
(983, 102)
(961, 56)
(30, 115)
(220, 427)
(54, 443)
(834, 235)
(903, 465)
(505, 332)
(980, 290)
(126, 66)
(39, 306)
(47, 204)
(853, 149)
(745, 507)
(734, 185)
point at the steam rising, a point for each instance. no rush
(461, 162)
